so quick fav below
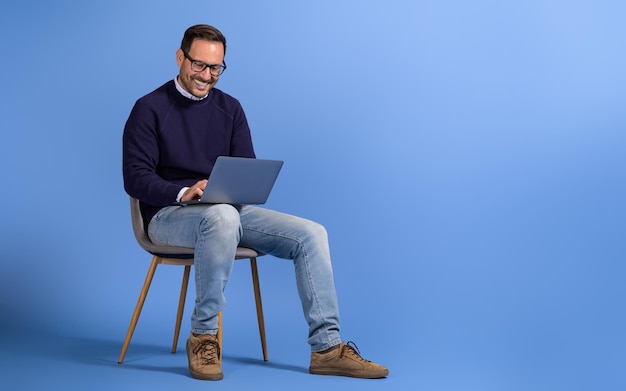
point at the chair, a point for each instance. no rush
(183, 256)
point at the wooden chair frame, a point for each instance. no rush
(184, 257)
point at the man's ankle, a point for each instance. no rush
(330, 349)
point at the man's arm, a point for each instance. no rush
(140, 157)
(241, 141)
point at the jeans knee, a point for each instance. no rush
(221, 219)
(315, 231)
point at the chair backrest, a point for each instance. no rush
(144, 241)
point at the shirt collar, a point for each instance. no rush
(185, 93)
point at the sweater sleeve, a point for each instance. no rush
(140, 156)
(241, 141)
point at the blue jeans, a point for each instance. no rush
(215, 231)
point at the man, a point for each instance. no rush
(171, 141)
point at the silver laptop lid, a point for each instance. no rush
(237, 180)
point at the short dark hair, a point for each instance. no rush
(201, 31)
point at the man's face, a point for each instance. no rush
(208, 52)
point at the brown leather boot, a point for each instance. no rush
(345, 361)
(205, 357)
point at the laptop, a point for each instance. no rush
(238, 180)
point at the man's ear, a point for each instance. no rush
(180, 57)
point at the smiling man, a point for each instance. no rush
(171, 141)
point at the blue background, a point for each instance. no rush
(467, 159)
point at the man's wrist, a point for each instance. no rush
(181, 193)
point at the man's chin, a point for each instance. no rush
(201, 93)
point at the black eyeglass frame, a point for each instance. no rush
(212, 67)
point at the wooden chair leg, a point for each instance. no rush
(138, 307)
(219, 330)
(181, 306)
(259, 305)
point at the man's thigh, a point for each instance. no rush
(273, 232)
(180, 225)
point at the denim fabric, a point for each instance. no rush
(215, 231)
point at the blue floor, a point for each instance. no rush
(54, 363)
(463, 337)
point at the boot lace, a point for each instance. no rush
(350, 349)
(209, 351)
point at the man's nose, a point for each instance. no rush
(206, 74)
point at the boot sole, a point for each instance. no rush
(360, 375)
(204, 376)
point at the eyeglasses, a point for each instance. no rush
(199, 66)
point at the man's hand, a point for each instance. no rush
(195, 191)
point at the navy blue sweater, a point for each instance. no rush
(171, 142)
